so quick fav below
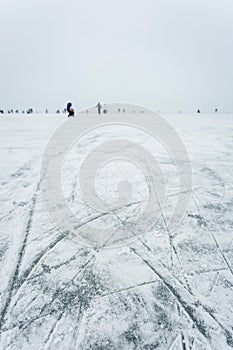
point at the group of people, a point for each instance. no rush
(70, 109)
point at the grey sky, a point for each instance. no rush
(168, 55)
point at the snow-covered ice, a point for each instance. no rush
(157, 291)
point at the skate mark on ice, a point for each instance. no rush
(190, 307)
(21, 171)
(63, 299)
(213, 284)
(213, 237)
(14, 279)
(127, 289)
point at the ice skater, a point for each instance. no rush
(70, 109)
(99, 107)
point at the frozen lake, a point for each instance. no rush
(159, 290)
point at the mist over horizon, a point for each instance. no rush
(163, 55)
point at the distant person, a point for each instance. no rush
(216, 110)
(70, 109)
(198, 111)
(99, 107)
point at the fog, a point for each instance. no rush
(167, 55)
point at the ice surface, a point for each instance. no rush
(157, 291)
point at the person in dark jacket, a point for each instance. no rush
(70, 109)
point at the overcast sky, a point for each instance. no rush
(168, 55)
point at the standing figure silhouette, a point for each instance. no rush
(99, 107)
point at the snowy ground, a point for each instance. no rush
(158, 291)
